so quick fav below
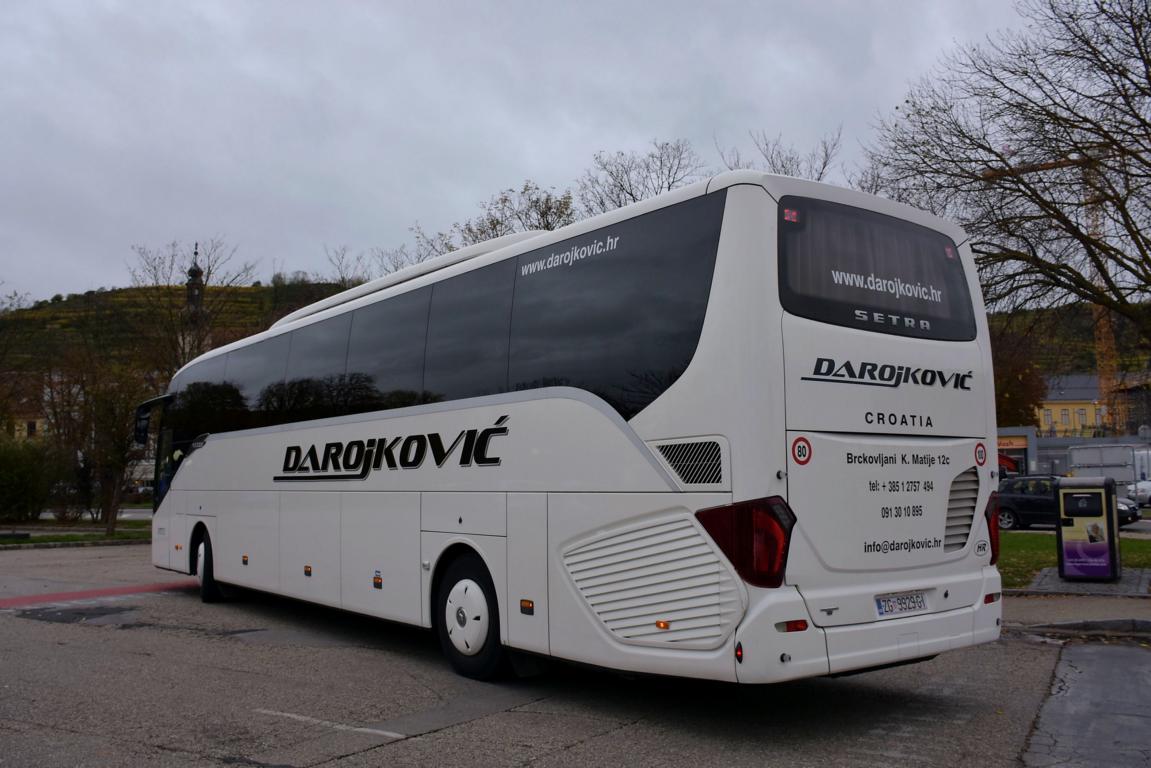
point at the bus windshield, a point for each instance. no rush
(848, 266)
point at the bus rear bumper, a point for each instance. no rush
(882, 643)
(771, 654)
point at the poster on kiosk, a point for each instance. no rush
(1087, 534)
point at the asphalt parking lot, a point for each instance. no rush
(159, 678)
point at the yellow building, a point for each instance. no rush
(1073, 407)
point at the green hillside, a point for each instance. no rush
(122, 312)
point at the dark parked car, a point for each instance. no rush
(1030, 500)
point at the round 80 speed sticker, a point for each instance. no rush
(801, 450)
(980, 454)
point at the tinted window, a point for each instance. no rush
(207, 370)
(315, 386)
(618, 311)
(467, 352)
(386, 352)
(256, 371)
(848, 266)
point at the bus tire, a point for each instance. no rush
(467, 619)
(210, 589)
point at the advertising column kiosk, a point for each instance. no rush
(1088, 531)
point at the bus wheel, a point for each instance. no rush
(210, 589)
(468, 619)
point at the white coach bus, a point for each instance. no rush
(741, 431)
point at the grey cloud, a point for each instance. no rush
(287, 126)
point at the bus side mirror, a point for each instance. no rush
(144, 417)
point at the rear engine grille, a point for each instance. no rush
(660, 570)
(961, 509)
(695, 462)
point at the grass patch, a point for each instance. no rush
(65, 537)
(1022, 555)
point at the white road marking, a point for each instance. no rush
(329, 724)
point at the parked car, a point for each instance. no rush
(1128, 512)
(1140, 492)
(1030, 500)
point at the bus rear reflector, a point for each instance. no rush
(754, 535)
(992, 515)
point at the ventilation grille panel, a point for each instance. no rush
(661, 570)
(696, 463)
(961, 510)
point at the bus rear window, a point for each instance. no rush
(849, 266)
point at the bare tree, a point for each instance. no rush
(777, 157)
(518, 210)
(174, 330)
(389, 260)
(617, 178)
(527, 208)
(1039, 143)
(349, 269)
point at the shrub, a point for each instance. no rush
(27, 473)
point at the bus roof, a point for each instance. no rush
(775, 185)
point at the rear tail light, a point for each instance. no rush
(992, 515)
(754, 535)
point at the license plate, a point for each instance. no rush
(906, 602)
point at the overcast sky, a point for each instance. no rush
(287, 126)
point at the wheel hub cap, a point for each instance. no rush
(466, 617)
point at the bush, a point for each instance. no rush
(27, 473)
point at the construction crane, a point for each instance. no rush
(1106, 353)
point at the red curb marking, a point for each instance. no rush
(63, 597)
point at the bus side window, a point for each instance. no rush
(468, 327)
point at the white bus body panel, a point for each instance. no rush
(733, 385)
(528, 571)
(380, 534)
(246, 550)
(310, 542)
